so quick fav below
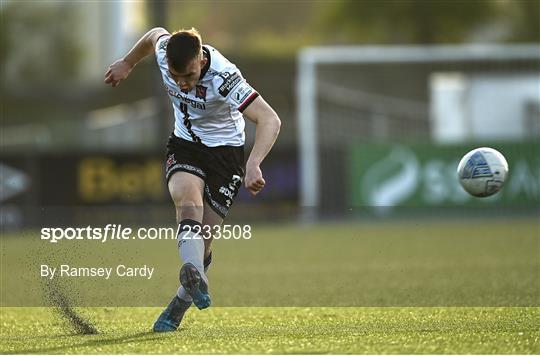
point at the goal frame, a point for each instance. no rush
(310, 58)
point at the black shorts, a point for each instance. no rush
(221, 168)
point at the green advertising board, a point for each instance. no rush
(425, 175)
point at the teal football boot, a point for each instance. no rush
(195, 285)
(170, 318)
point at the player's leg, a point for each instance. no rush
(222, 185)
(212, 220)
(183, 300)
(186, 191)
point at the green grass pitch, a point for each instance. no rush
(280, 330)
(414, 287)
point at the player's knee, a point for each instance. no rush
(183, 197)
(188, 208)
(186, 198)
(187, 203)
(186, 190)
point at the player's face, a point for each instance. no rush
(187, 78)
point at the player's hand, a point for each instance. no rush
(117, 72)
(254, 180)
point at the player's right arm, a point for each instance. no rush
(120, 69)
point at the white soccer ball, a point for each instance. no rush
(482, 171)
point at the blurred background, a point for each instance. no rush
(379, 100)
(379, 115)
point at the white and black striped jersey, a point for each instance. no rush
(211, 113)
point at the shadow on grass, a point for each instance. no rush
(98, 341)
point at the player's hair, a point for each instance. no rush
(183, 47)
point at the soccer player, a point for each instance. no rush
(204, 167)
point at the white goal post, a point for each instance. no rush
(307, 86)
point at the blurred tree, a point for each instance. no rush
(38, 43)
(278, 28)
(524, 20)
(429, 21)
(255, 27)
(404, 21)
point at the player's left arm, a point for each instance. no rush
(267, 129)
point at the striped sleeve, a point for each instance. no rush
(248, 101)
(235, 90)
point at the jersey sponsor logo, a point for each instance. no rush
(230, 81)
(231, 191)
(200, 92)
(242, 93)
(193, 103)
(226, 192)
